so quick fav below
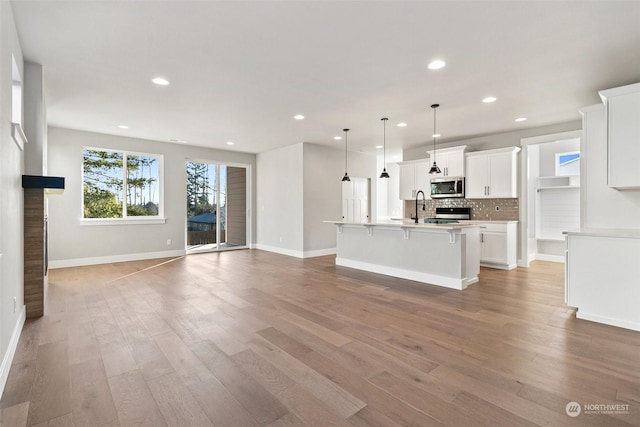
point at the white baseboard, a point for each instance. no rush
(320, 252)
(552, 258)
(11, 350)
(78, 262)
(634, 326)
(433, 279)
(294, 253)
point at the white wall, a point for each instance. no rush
(299, 187)
(71, 243)
(11, 201)
(279, 206)
(323, 172)
(602, 206)
(548, 153)
(35, 120)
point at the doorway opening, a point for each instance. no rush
(216, 206)
(550, 195)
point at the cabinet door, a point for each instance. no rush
(493, 247)
(347, 197)
(502, 177)
(476, 181)
(407, 181)
(454, 165)
(624, 138)
(423, 179)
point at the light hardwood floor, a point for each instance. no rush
(251, 338)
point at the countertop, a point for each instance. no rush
(407, 224)
(630, 233)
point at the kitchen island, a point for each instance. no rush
(439, 254)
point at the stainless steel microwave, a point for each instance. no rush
(447, 187)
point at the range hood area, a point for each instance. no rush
(35, 238)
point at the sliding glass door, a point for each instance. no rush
(216, 206)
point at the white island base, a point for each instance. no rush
(443, 255)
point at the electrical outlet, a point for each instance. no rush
(15, 304)
(168, 242)
(280, 239)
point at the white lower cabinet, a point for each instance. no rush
(498, 245)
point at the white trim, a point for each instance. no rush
(122, 221)
(18, 135)
(294, 253)
(320, 252)
(447, 282)
(498, 266)
(77, 262)
(552, 258)
(281, 251)
(634, 326)
(11, 349)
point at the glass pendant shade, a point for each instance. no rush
(346, 175)
(434, 168)
(384, 173)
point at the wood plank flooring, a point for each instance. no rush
(251, 338)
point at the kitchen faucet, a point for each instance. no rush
(424, 202)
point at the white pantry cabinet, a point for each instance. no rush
(498, 244)
(449, 160)
(622, 106)
(355, 200)
(492, 174)
(414, 176)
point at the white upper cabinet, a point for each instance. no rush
(414, 176)
(623, 136)
(449, 160)
(492, 174)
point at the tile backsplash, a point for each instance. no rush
(481, 209)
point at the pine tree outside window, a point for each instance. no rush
(121, 184)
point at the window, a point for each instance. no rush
(568, 163)
(119, 184)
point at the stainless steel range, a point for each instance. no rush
(449, 215)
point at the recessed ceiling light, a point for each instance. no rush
(437, 64)
(160, 81)
(520, 119)
(489, 99)
(230, 143)
(298, 117)
(436, 135)
(182, 141)
(378, 146)
(123, 127)
(402, 125)
(337, 138)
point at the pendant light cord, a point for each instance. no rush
(434, 134)
(346, 158)
(384, 142)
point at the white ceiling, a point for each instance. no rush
(241, 70)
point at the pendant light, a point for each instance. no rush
(346, 175)
(434, 167)
(384, 173)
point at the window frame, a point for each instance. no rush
(125, 219)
